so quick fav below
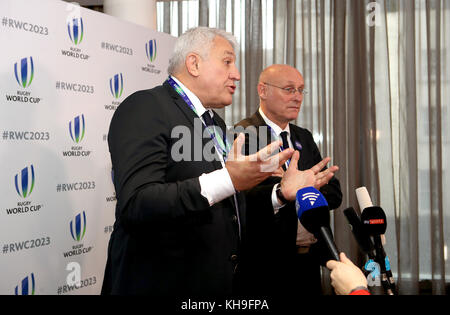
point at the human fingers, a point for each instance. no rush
(236, 148)
(320, 166)
(279, 172)
(322, 178)
(276, 161)
(267, 152)
(332, 264)
(345, 259)
(293, 165)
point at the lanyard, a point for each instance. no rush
(281, 147)
(222, 146)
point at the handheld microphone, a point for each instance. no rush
(362, 238)
(371, 269)
(372, 217)
(373, 220)
(314, 215)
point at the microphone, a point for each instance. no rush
(372, 217)
(362, 238)
(314, 215)
(371, 268)
(373, 220)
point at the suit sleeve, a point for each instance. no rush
(139, 142)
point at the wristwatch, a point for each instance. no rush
(280, 194)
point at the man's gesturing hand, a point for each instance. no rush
(248, 171)
(293, 179)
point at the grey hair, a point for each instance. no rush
(198, 40)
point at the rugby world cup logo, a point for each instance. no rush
(78, 226)
(77, 128)
(116, 85)
(150, 50)
(24, 181)
(24, 72)
(76, 30)
(26, 286)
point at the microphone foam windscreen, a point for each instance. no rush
(363, 197)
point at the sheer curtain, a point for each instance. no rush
(378, 76)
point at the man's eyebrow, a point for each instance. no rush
(293, 83)
(228, 52)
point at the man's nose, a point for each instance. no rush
(235, 75)
(298, 96)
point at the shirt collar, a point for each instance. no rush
(194, 99)
(273, 125)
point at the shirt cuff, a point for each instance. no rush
(216, 186)
(276, 205)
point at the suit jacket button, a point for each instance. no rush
(234, 218)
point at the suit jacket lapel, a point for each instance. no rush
(191, 116)
(258, 121)
(296, 142)
(181, 104)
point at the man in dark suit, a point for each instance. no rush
(179, 213)
(280, 255)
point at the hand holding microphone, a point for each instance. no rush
(345, 276)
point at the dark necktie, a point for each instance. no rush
(284, 137)
(208, 120)
(211, 123)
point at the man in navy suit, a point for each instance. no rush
(180, 217)
(280, 255)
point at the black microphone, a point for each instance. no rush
(328, 238)
(362, 238)
(371, 269)
(373, 219)
(314, 215)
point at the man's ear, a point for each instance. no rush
(262, 90)
(192, 64)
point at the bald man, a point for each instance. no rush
(282, 257)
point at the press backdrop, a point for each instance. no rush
(63, 72)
